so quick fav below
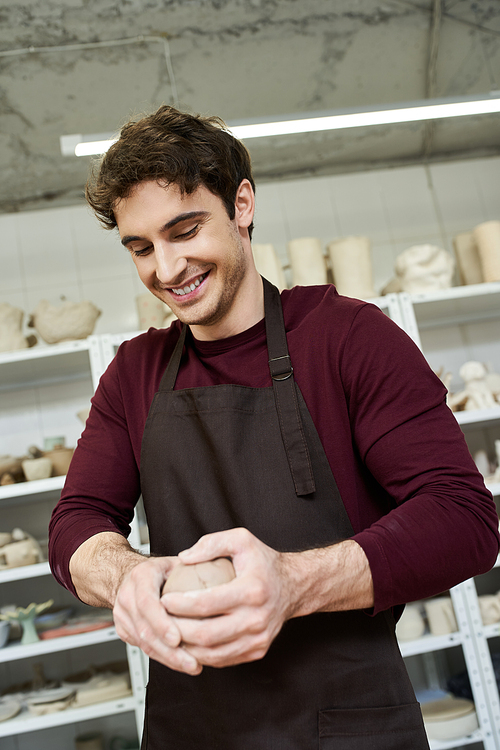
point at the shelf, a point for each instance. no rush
(24, 571)
(15, 651)
(25, 722)
(492, 631)
(44, 365)
(38, 489)
(482, 417)
(462, 304)
(428, 643)
(469, 740)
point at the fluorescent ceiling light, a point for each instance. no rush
(427, 109)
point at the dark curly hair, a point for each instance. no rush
(170, 147)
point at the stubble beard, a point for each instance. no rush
(231, 279)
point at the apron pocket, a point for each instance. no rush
(388, 728)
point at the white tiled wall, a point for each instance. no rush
(65, 253)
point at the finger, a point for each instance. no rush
(235, 652)
(203, 603)
(219, 544)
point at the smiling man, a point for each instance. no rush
(278, 430)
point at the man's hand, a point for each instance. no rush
(107, 572)
(229, 624)
(237, 622)
(141, 619)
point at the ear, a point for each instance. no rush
(244, 204)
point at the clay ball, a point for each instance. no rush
(199, 575)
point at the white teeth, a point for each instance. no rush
(187, 289)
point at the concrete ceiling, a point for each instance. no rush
(62, 73)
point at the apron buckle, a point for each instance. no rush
(281, 371)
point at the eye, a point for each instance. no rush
(188, 234)
(141, 252)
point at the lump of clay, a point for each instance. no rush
(422, 268)
(11, 336)
(66, 322)
(199, 575)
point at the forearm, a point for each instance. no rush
(329, 579)
(99, 566)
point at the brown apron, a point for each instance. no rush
(223, 456)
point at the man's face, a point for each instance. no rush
(187, 251)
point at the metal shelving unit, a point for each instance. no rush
(66, 362)
(38, 368)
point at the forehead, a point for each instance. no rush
(153, 204)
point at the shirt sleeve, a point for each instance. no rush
(102, 486)
(443, 526)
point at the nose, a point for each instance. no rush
(169, 264)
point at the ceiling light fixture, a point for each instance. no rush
(426, 109)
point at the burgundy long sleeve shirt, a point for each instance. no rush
(418, 505)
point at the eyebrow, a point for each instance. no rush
(187, 216)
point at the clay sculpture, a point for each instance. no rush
(477, 393)
(422, 268)
(11, 335)
(199, 575)
(26, 617)
(68, 321)
(19, 549)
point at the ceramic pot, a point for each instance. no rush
(37, 468)
(61, 459)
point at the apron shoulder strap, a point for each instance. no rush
(285, 394)
(169, 376)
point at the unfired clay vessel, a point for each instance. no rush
(469, 262)
(60, 459)
(487, 237)
(352, 266)
(308, 261)
(268, 264)
(440, 615)
(66, 322)
(411, 624)
(37, 468)
(489, 606)
(199, 575)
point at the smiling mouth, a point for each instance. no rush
(183, 290)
